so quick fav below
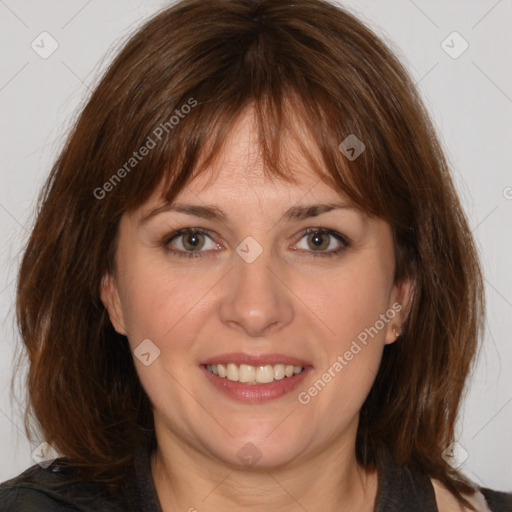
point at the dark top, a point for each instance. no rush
(400, 489)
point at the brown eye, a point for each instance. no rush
(190, 242)
(322, 242)
(193, 241)
(318, 240)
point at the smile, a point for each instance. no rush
(254, 374)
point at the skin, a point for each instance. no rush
(287, 301)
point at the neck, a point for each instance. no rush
(186, 479)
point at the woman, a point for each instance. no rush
(251, 284)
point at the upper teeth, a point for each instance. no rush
(254, 374)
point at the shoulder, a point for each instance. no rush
(54, 489)
(34, 489)
(498, 501)
(485, 500)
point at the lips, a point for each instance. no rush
(255, 378)
(239, 358)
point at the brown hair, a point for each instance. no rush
(219, 57)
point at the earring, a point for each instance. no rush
(398, 331)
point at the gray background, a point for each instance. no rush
(470, 98)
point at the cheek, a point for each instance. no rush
(162, 305)
(352, 299)
(352, 303)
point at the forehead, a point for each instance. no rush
(237, 185)
(239, 167)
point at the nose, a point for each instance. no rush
(257, 300)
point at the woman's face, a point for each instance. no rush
(254, 289)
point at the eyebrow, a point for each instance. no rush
(294, 213)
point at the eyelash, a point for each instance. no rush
(200, 254)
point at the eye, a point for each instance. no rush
(318, 240)
(196, 242)
(190, 242)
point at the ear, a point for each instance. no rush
(110, 297)
(399, 307)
